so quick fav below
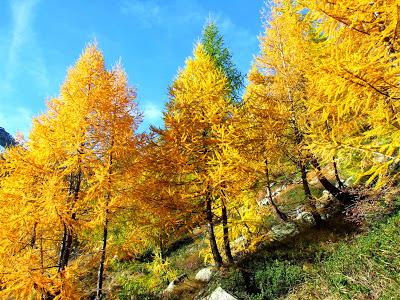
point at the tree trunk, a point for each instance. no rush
(308, 195)
(343, 196)
(211, 236)
(340, 183)
(99, 290)
(304, 180)
(62, 248)
(280, 215)
(33, 238)
(161, 245)
(67, 247)
(66, 243)
(100, 274)
(227, 245)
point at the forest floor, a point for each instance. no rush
(343, 258)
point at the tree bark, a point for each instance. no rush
(100, 274)
(343, 196)
(211, 236)
(33, 238)
(66, 243)
(306, 187)
(227, 245)
(99, 289)
(280, 215)
(62, 248)
(308, 195)
(340, 183)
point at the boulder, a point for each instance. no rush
(240, 242)
(305, 218)
(324, 201)
(220, 294)
(204, 274)
(349, 181)
(284, 230)
(170, 288)
(263, 202)
(313, 181)
(198, 231)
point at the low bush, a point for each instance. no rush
(277, 278)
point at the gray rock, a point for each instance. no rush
(241, 241)
(204, 274)
(275, 193)
(324, 201)
(313, 181)
(282, 231)
(220, 294)
(263, 202)
(305, 218)
(6, 139)
(349, 181)
(170, 288)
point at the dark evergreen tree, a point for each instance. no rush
(214, 46)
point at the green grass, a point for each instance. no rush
(294, 197)
(336, 261)
(368, 268)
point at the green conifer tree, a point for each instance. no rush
(214, 46)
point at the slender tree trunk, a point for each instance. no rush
(306, 187)
(227, 245)
(211, 236)
(308, 195)
(62, 248)
(340, 183)
(99, 290)
(66, 244)
(33, 239)
(161, 245)
(100, 274)
(279, 214)
(343, 196)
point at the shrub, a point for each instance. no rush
(277, 278)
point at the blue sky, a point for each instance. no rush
(40, 39)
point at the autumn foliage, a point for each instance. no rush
(86, 187)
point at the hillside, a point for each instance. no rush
(279, 184)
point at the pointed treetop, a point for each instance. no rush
(214, 46)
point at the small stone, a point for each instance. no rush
(220, 294)
(305, 218)
(282, 231)
(204, 275)
(170, 288)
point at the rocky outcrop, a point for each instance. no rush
(174, 283)
(283, 231)
(204, 275)
(220, 294)
(6, 139)
(305, 218)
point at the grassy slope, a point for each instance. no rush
(335, 261)
(367, 268)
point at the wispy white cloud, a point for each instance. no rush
(152, 112)
(23, 62)
(24, 55)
